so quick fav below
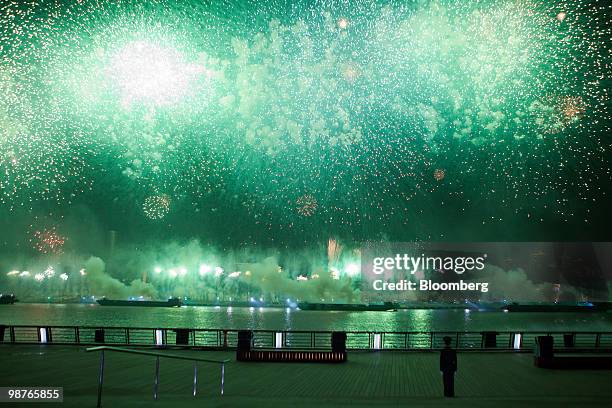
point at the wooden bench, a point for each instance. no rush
(245, 351)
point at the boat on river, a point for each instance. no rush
(7, 299)
(172, 302)
(349, 307)
(587, 307)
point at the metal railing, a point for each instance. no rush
(103, 349)
(297, 339)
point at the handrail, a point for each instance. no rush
(150, 353)
(311, 331)
(509, 340)
(157, 356)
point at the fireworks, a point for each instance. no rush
(156, 207)
(40, 166)
(306, 205)
(352, 269)
(555, 113)
(351, 72)
(49, 272)
(255, 104)
(147, 73)
(334, 250)
(205, 269)
(48, 241)
(571, 108)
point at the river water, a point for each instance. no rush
(290, 319)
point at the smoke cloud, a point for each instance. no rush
(102, 283)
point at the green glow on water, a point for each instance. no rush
(280, 319)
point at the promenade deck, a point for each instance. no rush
(368, 379)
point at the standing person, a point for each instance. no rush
(448, 366)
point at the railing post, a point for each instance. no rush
(100, 379)
(195, 377)
(222, 377)
(77, 337)
(156, 385)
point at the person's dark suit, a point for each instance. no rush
(448, 366)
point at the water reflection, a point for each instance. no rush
(421, 319)
(288, 321)
(291, 319)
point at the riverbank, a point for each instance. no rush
(368, 379)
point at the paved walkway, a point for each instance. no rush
(367, 379)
